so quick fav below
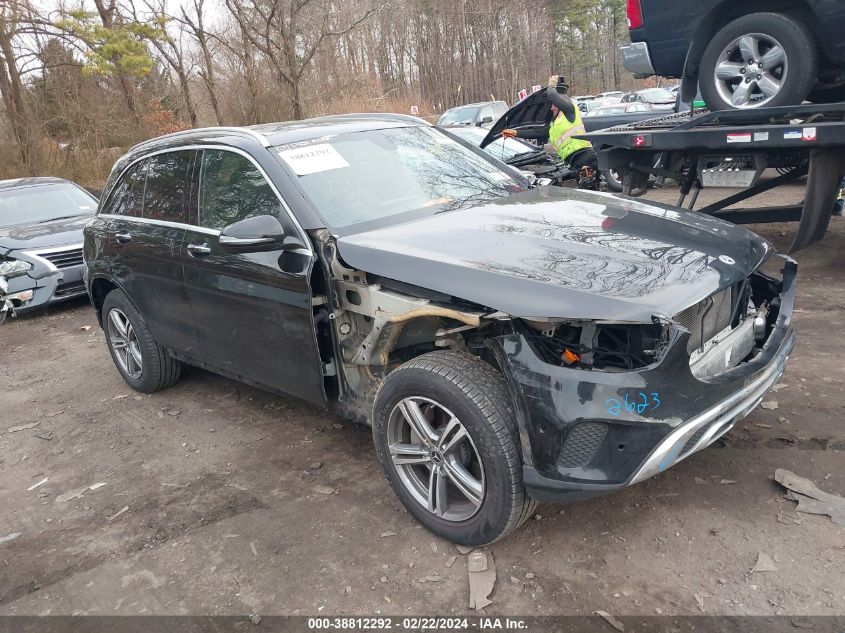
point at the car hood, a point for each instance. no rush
(532, 110)
(44, 234)
(554, 252)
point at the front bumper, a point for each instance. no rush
(636, 59)
(586, 433)
(61, 285)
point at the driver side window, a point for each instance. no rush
(232, 189)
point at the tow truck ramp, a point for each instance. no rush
(733, 148)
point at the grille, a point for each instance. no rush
(706, 318)
(581, 444)
(64, 258)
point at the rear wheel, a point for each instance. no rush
(762, 59)
(447, 441)
(144, 364)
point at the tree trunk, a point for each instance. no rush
(207, 73)
(12, 92)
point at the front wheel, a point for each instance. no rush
(447, 441)
(762, 59)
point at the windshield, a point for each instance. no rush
(363, 177)
(42, 203)
(458, 116)
(502, 148)
(657, 94)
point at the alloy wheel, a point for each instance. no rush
(124, 343)
(435, 458)
(751, 71)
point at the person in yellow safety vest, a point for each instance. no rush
(566, 124)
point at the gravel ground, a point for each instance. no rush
(211, 501)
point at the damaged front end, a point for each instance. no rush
(374, 324)
(603, 406)
(599, 404)
(10, 301)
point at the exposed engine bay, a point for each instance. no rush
(369, 325)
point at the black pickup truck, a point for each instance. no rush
(746, 54)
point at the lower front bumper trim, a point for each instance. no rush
(546, 490)
(670, 450)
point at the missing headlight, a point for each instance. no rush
(608, 347)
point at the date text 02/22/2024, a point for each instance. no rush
(417, 623)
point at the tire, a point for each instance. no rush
(795, 76)
(157, 370)
(612, 180)
(448, 385)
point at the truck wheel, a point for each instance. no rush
(762, 59)
(144, 364)
(446, 438)
(613, 180)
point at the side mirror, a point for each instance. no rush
(487, 119)
(257, 233)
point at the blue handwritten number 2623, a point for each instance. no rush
(640, 403)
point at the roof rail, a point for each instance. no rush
(230, 130)
(385, 116)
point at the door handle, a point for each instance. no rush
(123, 238)
(199, 250)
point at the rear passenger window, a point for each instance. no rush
(232, 189)
(127, 194)
(167, 178)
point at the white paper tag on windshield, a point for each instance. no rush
(313, 159)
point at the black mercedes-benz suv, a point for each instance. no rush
(508, 344)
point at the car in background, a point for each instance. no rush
(597, 103)
(613, 94)
(741, 54)
(517, 153)
(658, 98)
(535, 110)
(477, 114)
(620, 108)
(41, 222)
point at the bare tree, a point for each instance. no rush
(172, 51)
(207, 71)
(289, 33)
(12, 15)
(69, 76)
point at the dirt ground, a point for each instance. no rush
(211, 486)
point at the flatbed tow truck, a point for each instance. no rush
(732, 148)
